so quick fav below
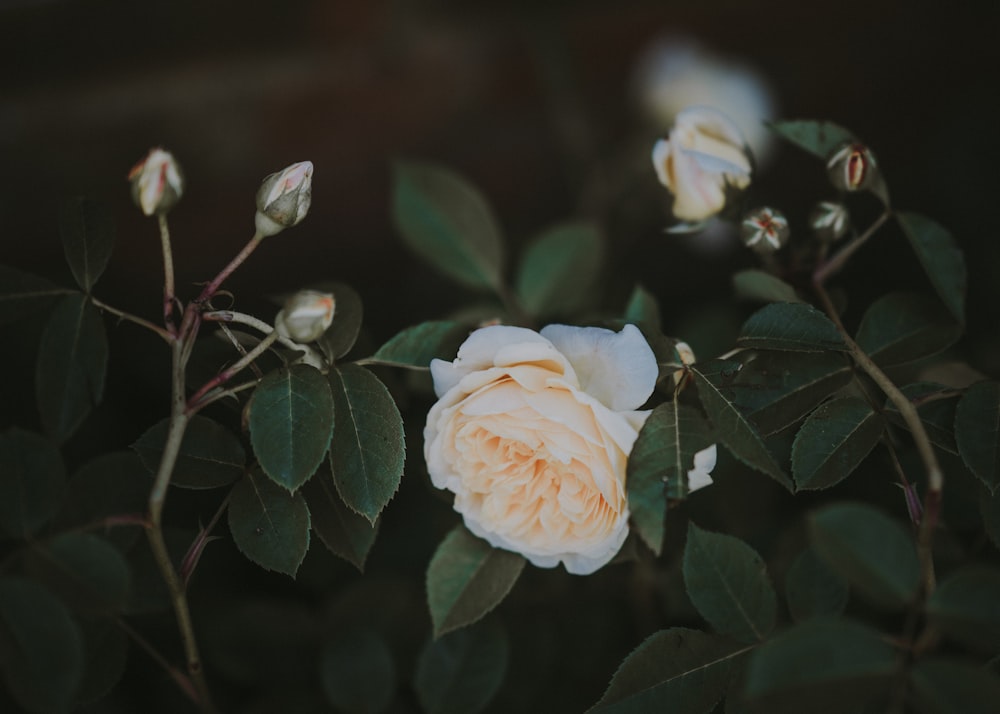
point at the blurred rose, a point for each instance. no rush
(701, 158)
(675, 73)
(532, 433)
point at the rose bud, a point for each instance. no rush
(852, 168)
(305, 316)
(157, 183)
(702, 157)
(283, 198)
(765, 230)
(830, 220)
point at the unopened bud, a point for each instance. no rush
(765, 230)
(306, 315)
(683, 354)
(283, 198)
(157, 183)
(852, 167)
(830, 220)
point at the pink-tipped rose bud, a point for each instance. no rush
(305, 316)
(157, 183)
(703, 156)
(765, 230)
(852, 168)
(283, 198)
(830, 220)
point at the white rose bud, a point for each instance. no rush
(765, 230)
(283, 198)
(830, 220)
(702, 157)
(157, 183)
(305, 316)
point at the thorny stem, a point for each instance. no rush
(191, 558)
(226, 374)
(226, 316)
(179, 418)
(165, 334)
(838, 261)
(182, 680)
(908, 412)
(168, 272)
(236, 262)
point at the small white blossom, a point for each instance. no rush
(764, 230)
(830, 220)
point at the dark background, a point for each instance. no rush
(532, 102)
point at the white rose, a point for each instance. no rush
(703, 155)
(677, 72)
(532, 433)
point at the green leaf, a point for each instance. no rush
(941, 257)
(642, 309)
(105, 649)
(462, 671)
(871, 550)
(791, 326)
(449, 224)
(965, 606)
(416, 346)
(348, 315)
(728, 583)
(45, 660)
(936, 407)
(467, 578)
(33, 482)
(832, 660)
(112, 486)
(776, 389)
(833, 441)
(977, 432)
(368, 448)
(347, 534)
(357, 672)
(87, 572)
(947, 686)
(21, 293)
(88, 237)
(760, 286)
(291, 423)
(559, 270)
(677, 670)
(812, 589)
(269, 525)
(210, 455)
(820, 138)
(734, 429)
(659, 463)
(903, 327)
(72, 359)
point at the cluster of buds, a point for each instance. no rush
(701, 160)
(305, 316)
(157, 182)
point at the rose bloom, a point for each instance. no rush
(703, 155)
(532, 434)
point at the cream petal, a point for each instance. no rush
(704, 462)
(616, 368)
(661, 158)
(699, 195)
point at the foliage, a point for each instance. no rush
(876, 590)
